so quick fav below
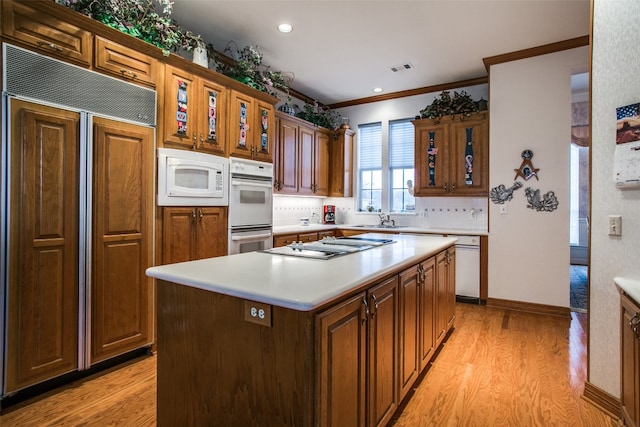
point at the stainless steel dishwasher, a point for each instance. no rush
(468, 269)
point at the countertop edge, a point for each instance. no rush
(630, 287)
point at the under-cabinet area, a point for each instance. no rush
(392, 315)
(629, 350)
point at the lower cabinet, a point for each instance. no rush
(630, 361)
(445, 301)
(190, 233)
(358, 356)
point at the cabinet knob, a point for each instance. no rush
(364, 315)
(375, 305)
(445, 187)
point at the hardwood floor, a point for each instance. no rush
(498, 368)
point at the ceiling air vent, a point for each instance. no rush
(403, 67)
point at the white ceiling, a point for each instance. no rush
(340, 50)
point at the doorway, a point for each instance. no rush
(579, 192)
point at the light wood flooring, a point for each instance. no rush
(498, 368)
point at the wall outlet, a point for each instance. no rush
(615, 225)
(503, 209)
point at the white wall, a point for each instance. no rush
(615, 83)
(530, 103)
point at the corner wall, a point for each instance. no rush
(530, 108)
(615, 83)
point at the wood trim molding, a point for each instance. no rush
(411, 92)
(602, 400)
(536, 51)
(529, 307)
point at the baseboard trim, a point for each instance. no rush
(602, 400)
(529, 307)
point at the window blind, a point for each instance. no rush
(401, 144)
(370, 146)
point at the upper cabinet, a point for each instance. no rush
(301, 157)
(194, 112)
(125, 63)
(28, 26)
(341, 163)
(452, 156)
(251, 127)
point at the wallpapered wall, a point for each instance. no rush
(615, 65)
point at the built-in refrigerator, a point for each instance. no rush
(76, 225)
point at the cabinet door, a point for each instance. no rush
(451, 287)
(409, 328)
(211, 232)
(180, 108)
(441, 311)
(321, 163)
(308, 237)
(48, 34)
(178, 234)
(341, 332)
(128, 64)
(263, 137)
(629, 363)
(431, 160)
(341, 164)
(286, 161)
(427, 312)
(211, 115)
(306, 148)
(383, 352)
(42, 314)
(241, 125)
(121, 292)
(469, 158)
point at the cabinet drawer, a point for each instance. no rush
(284, 240)
(46, 33)
(125, 63)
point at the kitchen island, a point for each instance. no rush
(258, 339)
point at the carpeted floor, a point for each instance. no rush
(578, 288)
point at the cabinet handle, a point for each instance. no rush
(201, 141)
(200, 214)
(50, 46)
(634, 322)
(420, 274)
(193, 214)
(365, 310)
(375, 305)
(453, 187)
(446, 187)
(129, 73)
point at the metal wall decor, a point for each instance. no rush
(526, 169)
(181, 111)
(547, 203)
(468, 158)
(244, 126)
(501, 194)
(212, 114)
(432, 152)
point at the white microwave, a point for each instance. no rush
(189, 178)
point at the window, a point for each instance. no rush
(370, 167)
(386, 183)
(401, 165)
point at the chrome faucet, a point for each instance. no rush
(385, 219)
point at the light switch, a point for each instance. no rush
(503, 209)
(615, 225)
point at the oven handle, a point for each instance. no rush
(251, 183)
(252, 237)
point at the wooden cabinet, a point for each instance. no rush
(427, 310)
(121, 293)
(341, 164)
(443, 149)
(445, 294)
(363, 380)
(195, 112)
(630, 360)
(301, 157)
(251, 127)
(24, 23)
(125, 63)
(48, 235)
(287, 239)
(190, 233)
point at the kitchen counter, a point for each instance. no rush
(630, 287)
(300, 283)
(288, 229)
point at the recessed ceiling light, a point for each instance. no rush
(285, 28)
(377, 89)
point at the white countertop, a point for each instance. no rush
(630, 286)
(300, 283)
(284, 229)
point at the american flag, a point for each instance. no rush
(627, 111)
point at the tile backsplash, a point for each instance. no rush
(465, 213)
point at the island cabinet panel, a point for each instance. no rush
(630, 360)
(445, 293)
(409, 328)
(216, 368)
(427, 307)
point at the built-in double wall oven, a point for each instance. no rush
(250, 205)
